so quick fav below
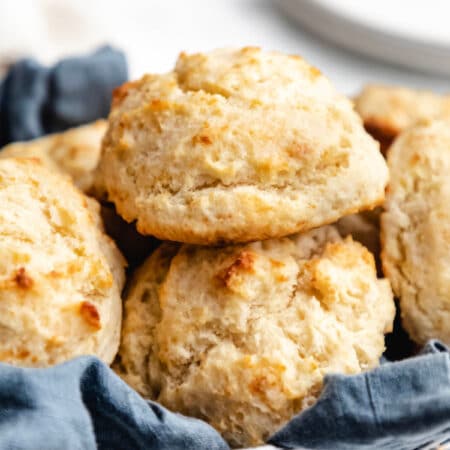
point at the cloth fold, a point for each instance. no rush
(36, 100)
(398, 406)
(83, 405)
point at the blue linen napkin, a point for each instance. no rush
(83, 405)
(397, 406)
(36, 100)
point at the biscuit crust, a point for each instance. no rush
(74, 152)
(415, 229)
(60, 276)
(236, 146)
(242, 336)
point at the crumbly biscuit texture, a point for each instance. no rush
(242, 336)
(60, 275)
(74, 152)
(388, 110)
(235, 146)
(416, 229)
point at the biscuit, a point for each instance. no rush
(60, 275)
(235, 146)
(388, 110)
(242, 336)
(75, 152)
(415, 229)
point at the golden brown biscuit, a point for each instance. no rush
(60, 275)
(416, 229)
(74, 152)
(237, 145)
(388, 110)
(242, 336)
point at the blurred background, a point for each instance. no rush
(353, 42)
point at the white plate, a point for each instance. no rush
(412, 33)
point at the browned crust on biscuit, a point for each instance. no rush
(90, 314)
(22, 279)
(120, 93)
(244, 262)
(201, 139)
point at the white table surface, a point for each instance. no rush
(153, 32)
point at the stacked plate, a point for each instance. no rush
(413, 33)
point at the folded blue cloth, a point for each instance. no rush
(35, 100)
(83, 405)
(398, 406)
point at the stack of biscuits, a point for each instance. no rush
(244, 164)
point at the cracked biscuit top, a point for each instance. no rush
(242, 336)
(60, 275)
(415, 229)
(237, 145)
